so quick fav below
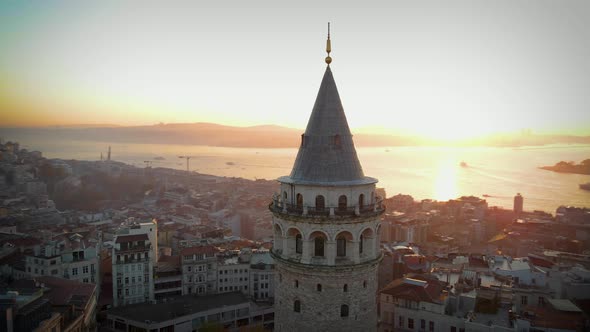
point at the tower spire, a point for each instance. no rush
(328, 47)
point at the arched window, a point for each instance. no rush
(298, 244)
(361, 200)
(320, 203)
(299, 201)
(344, 310)
(342, 203)
(341, 246)
(319, 287)
(361, 244)
(297, 306)
(345, 288)
(337, 142)
(319, 246)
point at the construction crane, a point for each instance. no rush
(188, 158)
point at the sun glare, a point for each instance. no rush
(445, 185)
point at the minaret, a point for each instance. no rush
(326, 228)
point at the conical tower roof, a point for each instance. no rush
(327, 154)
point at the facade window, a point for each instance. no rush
(361, 200)
(365, 284)
(299, 201)
(320, 203)
(126, 280)
(337, 142)
(431, 326)
(453, 329)
(341, 246)
(541, 301)
(524, 300)
(297, 306)
(400, 321)
(342, 203)
(423, 324)
(319, 287)
(361, 244)
(285, 196)
(296, 283)
(189, 268)
(298, 244)
(85, 269)
(344, 310)
(319, 246)
(345, 288)
(75, 271)
(411, 323)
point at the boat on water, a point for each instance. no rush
(585, 186)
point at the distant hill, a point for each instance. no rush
(263, 136)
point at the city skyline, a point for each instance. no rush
(444, 72)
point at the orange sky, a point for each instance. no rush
(430, 69)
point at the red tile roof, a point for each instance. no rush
(131, 238)
(410, 288)
(199, 250)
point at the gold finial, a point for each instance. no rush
(328, 47)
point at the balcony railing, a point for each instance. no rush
(301, 210)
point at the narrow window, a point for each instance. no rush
(344, 310)
(365, 284)
(296, 283)
(361, 245)
(345, 288)
(298, 244)
(320, 203)
(303, 140)
(319, 246)
(299, 201)
(319, 287)
(341, 246)
(285, 197)
(342, 204)
(361, 200)
(297, 306)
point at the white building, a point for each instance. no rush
(234, 273)
(150, 228)
(68, 256)
(262, 276)
(133, 268)
(199, 270)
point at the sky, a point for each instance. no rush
(448, 69)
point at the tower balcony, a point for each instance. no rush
(367, 210)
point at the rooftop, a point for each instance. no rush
(327, 154)
(178, 306)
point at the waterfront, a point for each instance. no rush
(423, 172)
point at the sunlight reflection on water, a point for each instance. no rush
(445, 185)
